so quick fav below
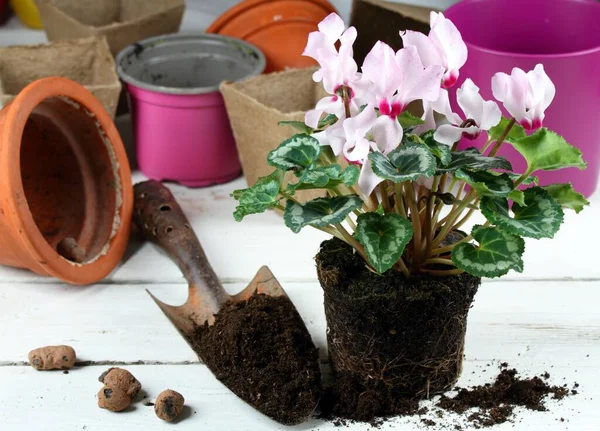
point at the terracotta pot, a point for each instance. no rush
(391, 336)
(63, 174)
(278, 28)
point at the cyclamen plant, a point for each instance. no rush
(397, 186)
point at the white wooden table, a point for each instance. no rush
(545, 319)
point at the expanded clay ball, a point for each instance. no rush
(114, 399)
(52, 358)
(169, 405)
(120, 378)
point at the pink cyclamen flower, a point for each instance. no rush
(526, 96)
(397, 79)
(484, 115)
(353, 137)
(338, 68)
(443, 46)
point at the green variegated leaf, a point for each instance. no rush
(409, 138)
(545, 150)
(540, 217)
(516, 132)
(497, 253)
(409, 121)
(567, 197)
(327, 121)
(406, 163)
(441, 151)
(514, 177)
(258, 198)
(298, 125)
(473, 160)
(320, 212)
(326, 177)
(384, 238)
(517, 196)
(297, 153)
(485, 183)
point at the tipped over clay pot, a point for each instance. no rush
(64, 177)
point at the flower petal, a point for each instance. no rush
(387, 133)
(512, 91)
(491, 115)
(446, 37)
(332, 26)
(380, 67)
(312, 117)
(358, 126)
(357, 151)
(442, 106)
(416, 81)
(428, 52)
(449, 134)
(367, 181)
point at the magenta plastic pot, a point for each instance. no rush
(563, 35)
(181, 128)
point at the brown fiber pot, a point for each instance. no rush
(390, 335)
(63, 174)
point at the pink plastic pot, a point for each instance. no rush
(563, 35)
(181, 127)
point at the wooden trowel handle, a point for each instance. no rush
(158, 215)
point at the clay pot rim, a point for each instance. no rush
(19, 111)
(241, 8)
(251, 32)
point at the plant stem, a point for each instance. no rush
(351, 223)
(452, 217)
(523, 177)
(464, 219)
(403, 268)
(449, 248)
(346, 98)
(502, 137)
(400, 207)
(443, 273)
(353, 242)
(385, 201)
(439, 261)
(487, 145)
(416, 222)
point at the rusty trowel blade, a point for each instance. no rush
(264, 282)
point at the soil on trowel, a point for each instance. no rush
(262, 351)
(478, 407)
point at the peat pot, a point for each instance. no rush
(389, 336)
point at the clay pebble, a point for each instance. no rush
(70, 250)
(169, 405)
(122, 379)
(113, 398)
(52, 358)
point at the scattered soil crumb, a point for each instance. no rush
(478, 407)
(495, 403)
(148, 404)
(66, 372)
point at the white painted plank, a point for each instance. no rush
(555, 321)
(29, 398)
